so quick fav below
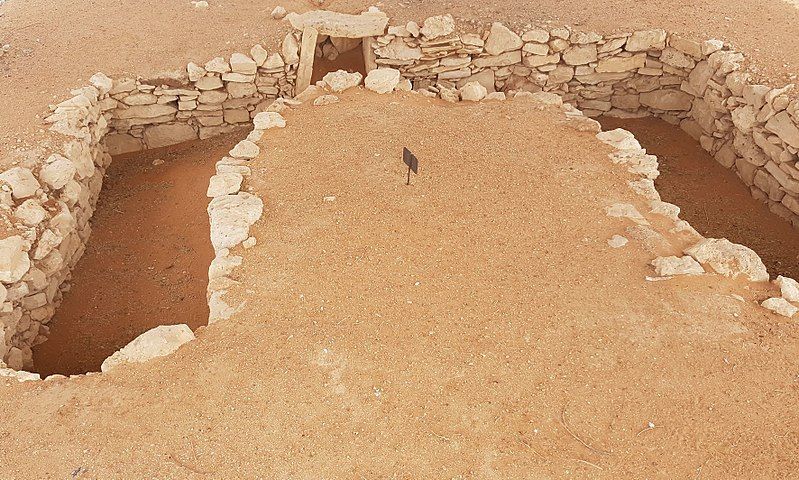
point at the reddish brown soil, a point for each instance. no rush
(713, 199)
(351, 61)
(147, 260)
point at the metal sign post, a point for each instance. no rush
(411, 161)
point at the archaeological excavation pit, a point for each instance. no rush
(696, 85)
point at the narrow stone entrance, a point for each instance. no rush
(337, 53)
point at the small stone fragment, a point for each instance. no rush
(279, 12)
(383, 80)
(342, 80)
(670, 266)
(617, 241)
(780, 306)
(325, 100)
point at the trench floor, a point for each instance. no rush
(147, 260)
(713, 199)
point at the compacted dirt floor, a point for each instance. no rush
(712, 198)
(475, 324)
(147, 260)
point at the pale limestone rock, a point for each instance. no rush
(780, 306)
(538, 35)
(325, 100)
(667, 100)
(729, 259)
(259, 54)
(783, 126)
(209, 83)
(670, 266)
(147, 111)
(194, 71)
(22, 182)
(621, 64)
(14, 260)
(644, 40)
(224, 184)
(473, 92)
(218, 308)
(101, 82)
(438, 26)
(743, 118)
(413, 28)
(157, 342)
(279, 12)
(398, 49)
(240, 63)
(620, 139)
(249, 243)
(342, 80)
(231, 217)
(789, 288)
(290, 49)
(30, 212)
(267, 120)
(580, 54)
(223, 265)
(274, 62)
(217, 65)
(245, 149)
(501, 39)
(334, 24)
(501, 60)
(164, 135)
(140, 99)
(495, 96)
(626, 210)
(382, 80)
(711, 46)
(617, 241)
(57, 171)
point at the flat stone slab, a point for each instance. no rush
(368, 24)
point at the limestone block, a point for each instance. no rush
(473, 92)
(240, 63)
(501, 39)
(644, 40)
(667, 100)
(783, 126)
(780, 306)
(164, 135)
(147, 111)
(157, 342)
(30, 212)
(621, 64)
(789, 288)
(245, 149)
(224, 184)
(217, 65)
(438, 26)
(22, 182)
(398, 49)
(209, 83)
(729, 259)
(334, 24)
(382, 80)
(119, 143)
(14, 260)
(580, 54)
(231, 217)
(342, 80)
(267, 120)
(57, 171)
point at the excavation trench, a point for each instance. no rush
(146, 263)
(712, 198)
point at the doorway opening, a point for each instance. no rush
(338, 53)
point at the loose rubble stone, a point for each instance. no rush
(789, 288)
(729, 259)
(382, 80)
(473, 92)
(644, 40)
(780, 306)
(325, 100)
(240, 63)
(22, 182)
(278, 12)
(30, 212)
(157, 342)
(217, 65)
(617, 241)
(342, 80)
(671, 266)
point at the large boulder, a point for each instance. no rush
(729, 259)
(383, 80)
(158, 342)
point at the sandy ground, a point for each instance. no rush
(147, 261)
(472, 325)
(713, 199)
(59, 44)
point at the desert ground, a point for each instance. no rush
(475, 324)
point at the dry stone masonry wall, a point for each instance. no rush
(49, 194)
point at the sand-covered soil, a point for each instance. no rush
(475, 324)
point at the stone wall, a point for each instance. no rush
(49, 195)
